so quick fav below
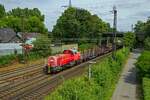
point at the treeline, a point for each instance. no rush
(22, 20)
(105, 74)
(144, 29)
(76, 23)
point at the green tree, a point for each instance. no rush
(142, 28)
(147, 29)
(79, 23)
(26, 20)
(42, 45)
(35, 25)
(2, 11)
(147, 43)
(18, 12)
(67, 25)
(31, 24)
(129, 39)
(2, 24)
(11, 22)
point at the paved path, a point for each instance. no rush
(127, 86)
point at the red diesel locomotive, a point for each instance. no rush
(72, 57)
(58, 62)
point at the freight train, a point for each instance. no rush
(72, 57)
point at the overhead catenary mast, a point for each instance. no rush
(114, 31)
(132, 28)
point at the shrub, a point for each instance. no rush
(129, 39)
(86, 46)
(102, 76)
(72, 90)
(143, 64)
(147, 43)
(146, 88)
(8, 59)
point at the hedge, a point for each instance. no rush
(143, 64)
(146, 88)
(34, 55)
(8, 59)
(105, 74)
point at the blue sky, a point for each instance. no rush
(129, 11)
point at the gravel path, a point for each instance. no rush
(127, 87)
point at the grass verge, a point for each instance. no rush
(105, 74)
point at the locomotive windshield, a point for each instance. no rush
(72, 51)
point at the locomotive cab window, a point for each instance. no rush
(68, 52)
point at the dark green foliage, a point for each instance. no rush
(79, 89)
(24, 20)
(12, 22)
(2, 11)
(86, 46)
(42, 45)
(142, 28)
(4, 60)
(30, 56)
(33, 24)
(146, 88)
(147, 43)
(143, 64)
(79, 23)
(26, 13)
(103, 79)
(129, 39)
(100, 87)
(139, 27)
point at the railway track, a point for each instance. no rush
(12, 71)
(8, 79)
(40, 84)
(40, 91)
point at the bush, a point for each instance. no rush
(72, 90)
(8, 59)
(146, 88)
(147, 43)
(129, 39)
(102, 76)
(143, 64)
(33, 55)
(86, 46)
(100, 87)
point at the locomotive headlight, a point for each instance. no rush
(49, 64)
(51, 60)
